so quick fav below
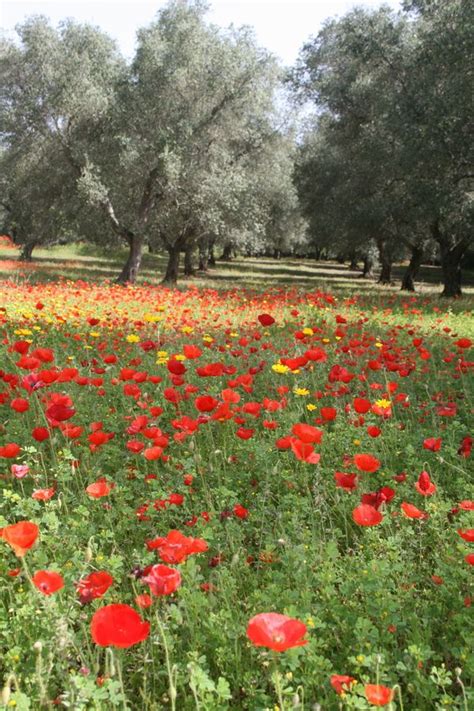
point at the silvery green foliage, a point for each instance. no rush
(394, 101)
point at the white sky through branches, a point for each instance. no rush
(282, 26)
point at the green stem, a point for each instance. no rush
(276, 678)
(171, 670)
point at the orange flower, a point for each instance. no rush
(21, 536)
(378, 695)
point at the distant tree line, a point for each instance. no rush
(193, 147)
(386, 166)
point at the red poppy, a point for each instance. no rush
(361, 405)
(40, 433)
(328, 413)
(366, 515)
(118, 625)
(94, 586)
(304, 452)
(19, 404)
(433, 444)
(307, 433)
(59, 412)
(276, 632)
(205, 403)
(341, 682)
(10, 450)
(467, 534)
(374, 431)
(99, 488)
(424, 485)
(366, 463)
(43, 494)
(47, 581)
(176, 548)
(466, 505)
(245, 433)
(240, 511)
(469, 559)
(466, 447)
(410, 511)
(21, 536)
(266, 319)
(348, 482)
(144, 600)
(378, 695)
(163, 580)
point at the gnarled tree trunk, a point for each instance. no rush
(451, 258)
(451, 266)
(368, 269)
(204, 249)
(227, 252)
(385, 276)
(411, 272)
(212, 256)
(132, 265)
(188, 261)
(26, 254)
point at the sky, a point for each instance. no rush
(282, 26)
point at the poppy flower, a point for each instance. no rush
(366, 515)
(19, 471)
(21, 536)
(245, 433)
(466, 505)
(59, 412)
(47, 581)
(10, 450)
(328, 413)
(424, 485)
(348, 482)
(466, 447)
(40, 434)
(467, 534)
(94, 586)
(374, 431)
(99, 488)
(266, 319)
(463, 343)
(206, 403)
(118, 625)
(176, 548)
(341, 682)
(43, 494)
(433, 444)
(163, 580)
(378, 695)
(240, 511)
(366, 463)
(410, 511)
(19, 404)
(275, 631)
(307, 433)
(304, 451)
(361, 405)
(144, 600)
(469, 559)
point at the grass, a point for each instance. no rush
(163, 410)
(85, 262)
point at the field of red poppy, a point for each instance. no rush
(234, 499)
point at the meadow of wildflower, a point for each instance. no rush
(234, 499)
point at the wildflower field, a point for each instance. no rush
(234, 499)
